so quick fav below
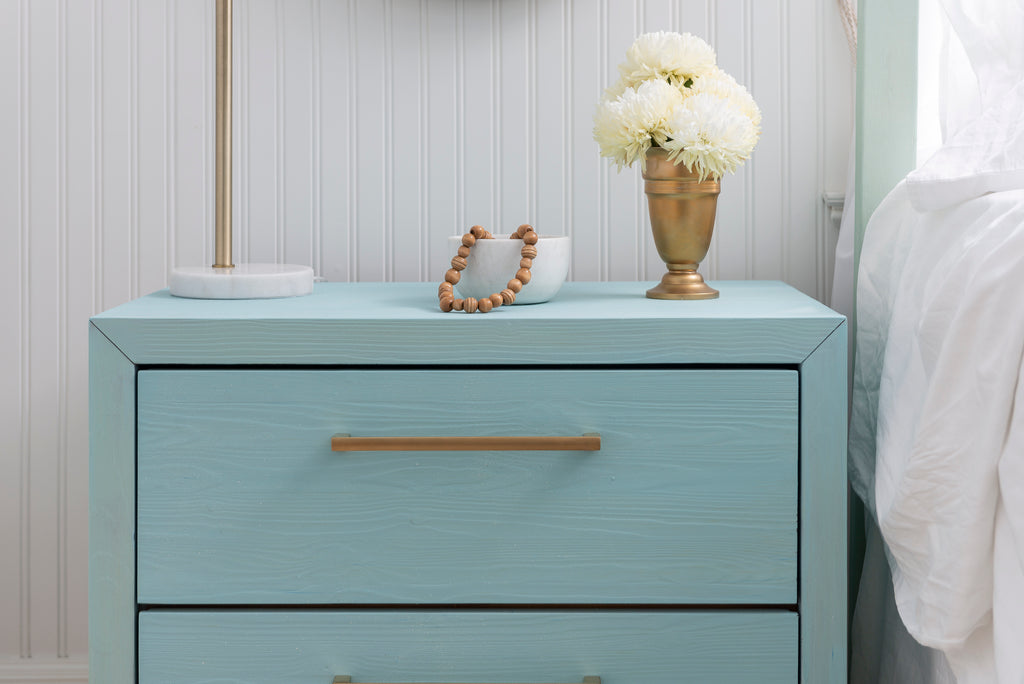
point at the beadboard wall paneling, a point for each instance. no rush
(13, 308)
(366, 132)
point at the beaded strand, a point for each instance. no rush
(445, 293)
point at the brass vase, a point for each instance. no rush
(682, 210)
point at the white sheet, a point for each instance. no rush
(937, 448)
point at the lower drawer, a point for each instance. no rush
(620, 647)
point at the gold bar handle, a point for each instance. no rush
(590, 441)
(345, 679)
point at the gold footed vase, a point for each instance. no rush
(682, 210)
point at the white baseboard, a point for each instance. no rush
(31, 671)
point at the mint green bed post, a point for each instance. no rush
(886, 104)
(886, 128)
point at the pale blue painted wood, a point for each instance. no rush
(600, 323)
(111, 513)
(379, 323)
(692, 498)
(823, 528)
(620, 647)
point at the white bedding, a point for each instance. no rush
(937, 442)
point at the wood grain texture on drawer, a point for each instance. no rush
(311, 647)
(692, 498)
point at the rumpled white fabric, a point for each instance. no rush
(937, 435)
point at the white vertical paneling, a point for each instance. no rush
(118, 235)
(316, 126)
(513, 121)
(804, 134)
(258, 216)
(371, 126)
(150, 114)
(335, 155)
(296, 101)
(766, 239)
(625, 198)
(192, 118)
(730, 237)
(549, 116)
(442, 186)
(61, 480)
(587, 82)
(407, 211)
(240, 131)
(12, 309)
(279, 105)
(42, 219)
(79, 198)
(478, 167)
(366, 132)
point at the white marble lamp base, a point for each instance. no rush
(244, 281)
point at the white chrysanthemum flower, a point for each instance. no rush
(709, 136)
(674, 57)
(625, 128)
(718, 83)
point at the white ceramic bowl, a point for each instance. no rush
(492, 263)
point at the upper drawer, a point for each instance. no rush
(691, 499)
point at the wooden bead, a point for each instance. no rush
(445, 291)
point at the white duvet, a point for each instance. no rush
(937, 434)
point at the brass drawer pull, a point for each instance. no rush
(590, 441)
(345, 679)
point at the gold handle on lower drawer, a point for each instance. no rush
(345, 679)
(590, 441)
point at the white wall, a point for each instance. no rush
(367, 131)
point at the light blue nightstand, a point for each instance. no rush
(704, 541)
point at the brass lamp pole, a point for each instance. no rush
(225, 280)
(222, 237)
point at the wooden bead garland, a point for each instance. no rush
(445, 292)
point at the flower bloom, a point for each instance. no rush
(626, 127)
(710, 137)
(724, 86)
(673, 57)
